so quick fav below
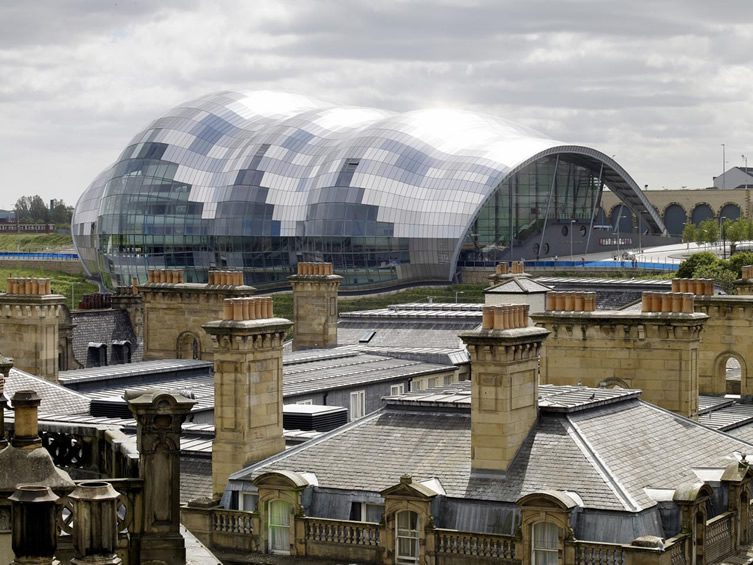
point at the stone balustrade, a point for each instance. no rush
(490, 546)
(564, 301)
(668, 302)
(26, 286)
(505, 317)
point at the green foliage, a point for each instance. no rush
(689, 233)
(738, 261)
(695, 261)
(738, 230)
(708, 231)
(722, 276)
(34, 210)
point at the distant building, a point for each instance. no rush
(261, 181)
(736, 177)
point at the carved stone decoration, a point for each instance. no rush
(159, 415)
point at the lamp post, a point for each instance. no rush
(572, 228)
(456, 295)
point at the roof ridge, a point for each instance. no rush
(572, 429)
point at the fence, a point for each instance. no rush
(22, 256)
(720, 540)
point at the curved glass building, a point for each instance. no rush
(259, 181)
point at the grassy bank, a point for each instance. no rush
(35, 242)
(62, 283)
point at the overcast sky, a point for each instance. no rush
(660, 84)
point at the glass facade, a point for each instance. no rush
(262, 180)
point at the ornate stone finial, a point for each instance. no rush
(406, 480)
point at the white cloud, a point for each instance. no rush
(660, 84)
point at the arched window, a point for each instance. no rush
(278, 520)
(406, 537)
(545, 544)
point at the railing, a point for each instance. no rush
(94, 451)
(451, 542)
(233, 522)
(342, 532)
(719, 540)
(677, 547)
(600, 553)
(21, 256)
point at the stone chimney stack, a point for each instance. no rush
(744, 285)
(29, 325)
(315, 306)
(247, 385)
(504, 271)
(174, 311)
(655, 350)
(504, 385)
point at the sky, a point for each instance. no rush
(658, 84)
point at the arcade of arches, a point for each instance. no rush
(677, 207)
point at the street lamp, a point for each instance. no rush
(572, 229)
(456, 295)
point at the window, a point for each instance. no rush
(545, 542)
(249, 501)
(397, 389)
(365, 512)
(406, 537)
(305, 401)
(357, 404)
(279, 527)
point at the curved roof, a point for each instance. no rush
(321, 170)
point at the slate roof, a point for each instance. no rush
(303, 373)
(56, 399)
(518, 285)
(607, 449)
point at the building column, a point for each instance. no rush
(159, 416)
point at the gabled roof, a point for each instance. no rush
(605, 445)
(56, 400)
(518, 285)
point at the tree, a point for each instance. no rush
(708, 231)
(721, 275)
(60, 213)
(689, 232)
(689, 266)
